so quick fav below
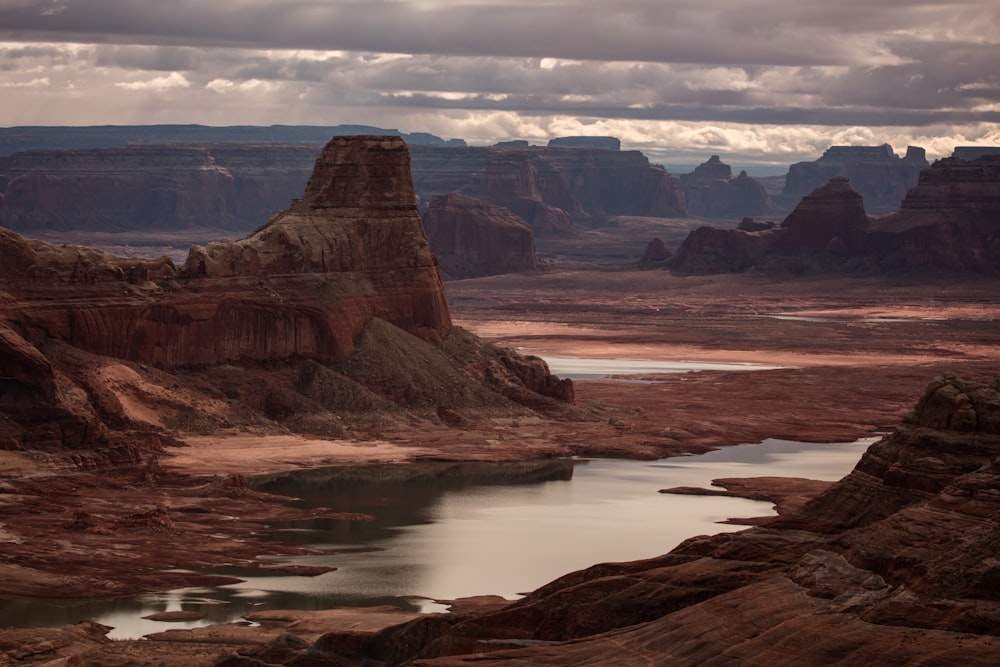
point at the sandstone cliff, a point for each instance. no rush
(151, 188)
(473, 238)
(893, 564)
(712, 191)
(239, 186)
(555, 190)
(333, 306)
(947, 225)
(876, 172)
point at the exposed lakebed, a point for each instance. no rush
(447, 530)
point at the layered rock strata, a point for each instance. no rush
(473, 238)
(947, 224)
(151, 188)
(237, 187)
(876, 172)
(896, 562)
(552, 189)
(712, 191)
(329, 307)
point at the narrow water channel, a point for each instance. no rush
(579, 368)
(451, 530)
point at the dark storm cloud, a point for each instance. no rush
(508, 68)
(709, 31)
(152, 58)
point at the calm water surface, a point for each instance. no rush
(578, 368)
(450, 530)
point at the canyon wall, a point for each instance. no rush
(893, 564)
(233, 187)
(553, 189)
(334, 305)
(712, 191)
(947, 224)
(238, 186)
(473, 238)
(876, 172)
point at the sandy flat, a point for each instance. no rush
(261, 454)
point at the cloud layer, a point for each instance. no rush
(756, 78)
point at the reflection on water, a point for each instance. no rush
(847, 319)
(447, 530)
(580, 368)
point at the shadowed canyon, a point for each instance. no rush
(142, 398)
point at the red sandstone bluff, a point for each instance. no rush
(352, 248)
(334, 306)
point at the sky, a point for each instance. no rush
(754, 81)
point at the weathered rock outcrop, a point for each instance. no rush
(151, 188)
(947, 224)
(324, 291)
(876, 172)
(974, 152)
(712, 191)
(709, 250)
(552, 189)
(830, 219)
(655, 256)
(895, 562)
(606, 143)
(239, 186)
(355, 239)
(472, 238)
(35, 138)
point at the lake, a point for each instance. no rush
(580, 368)
(448, 530)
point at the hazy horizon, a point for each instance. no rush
(758, 82)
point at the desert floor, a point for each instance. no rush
(854, 355)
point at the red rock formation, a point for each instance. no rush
(712, 191)
(655, 256)
(709, 250)
(605, 143)
(473, 238)
(226, 186)
(552, 189)
(894, 563)
(355, 238)
(238, 186)
(948, 224)
(333, 290)
(530, 188)
(876, 172)
(831, 218)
